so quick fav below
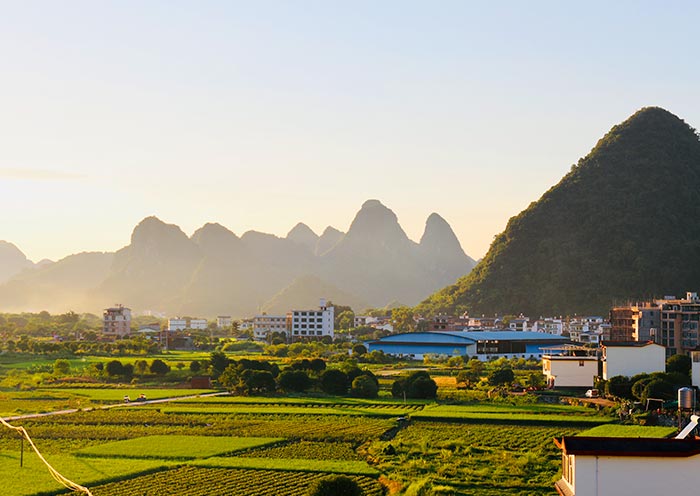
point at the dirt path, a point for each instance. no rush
(114, 405)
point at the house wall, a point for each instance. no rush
(607, 475)
(633, 360)
(695, 370)
(570, 371)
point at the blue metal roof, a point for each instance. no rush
(469, 337)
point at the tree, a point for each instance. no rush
(141, 367)
(61, 367)
(659, 388)
(335, 485)
(219, 362)
(402, 319)
(334, 381)
(418, 385)
(114, 368)
(159, 367)
(364, 387)
(619, 386)
(294, 380)
(345, 320)
(502, 376)
(195, 366)
(680, 364)
(359, 350)
(257, 381)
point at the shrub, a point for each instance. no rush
(294, 380)
(334, 381)
(418, 385)
(159, 367)
(364, 387)
(335, 485)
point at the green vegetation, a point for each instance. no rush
(176, 447)
(583, 265)
(354, 467)
(629, 431)
(199, 481)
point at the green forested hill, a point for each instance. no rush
(623, 223)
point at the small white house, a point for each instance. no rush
(600, 466)
(569, 371)
(200, 324)
(632, 358)
(695, 367)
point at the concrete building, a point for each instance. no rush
(223, 321)
(695, 368)
(600, 466)
(483, 345)
(116, 321)
(632, 358)
(177, 324)
(549, 325)
(570, 366)
(669, 321)
(264, 325)
(199, 324)
(312, 323)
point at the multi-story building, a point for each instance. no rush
(548, 325)
(669, 321)
(199, 324)
(311, 323)
(177, 324)
(679, 324)
(264, 325)
(223, 321)
(116, 321)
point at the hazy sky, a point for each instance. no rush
(261, 114)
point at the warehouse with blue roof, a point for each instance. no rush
(484, 345)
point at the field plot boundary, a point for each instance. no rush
(175, 447)
(242, 409)
(510, 419)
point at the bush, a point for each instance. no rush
(294, 380)
(364, 387)
(501, 376)
(619, 386)
(335, 485)
(159, 367)
(418, 385)
(680, 364)
(61, 367)
(114, 368)
(334, 381)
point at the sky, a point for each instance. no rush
(259, 115)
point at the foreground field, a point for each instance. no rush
(279, 446)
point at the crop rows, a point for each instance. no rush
(307, 450)
(223, 482)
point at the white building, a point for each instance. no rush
(312, 323)
(116, 321)
(364, 320)
(632, 358)
(177, 324)
(548, 325)
(598, 466)
(223, 321)
(695, 367)
(570, 371)
(264, 324)
(199, 324)
(519, 324)
(245, 325)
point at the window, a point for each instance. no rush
(581, 363)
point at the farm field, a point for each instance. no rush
(15, 403)
(251, 446)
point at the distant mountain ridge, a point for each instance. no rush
(623, 223)
(214, 271)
